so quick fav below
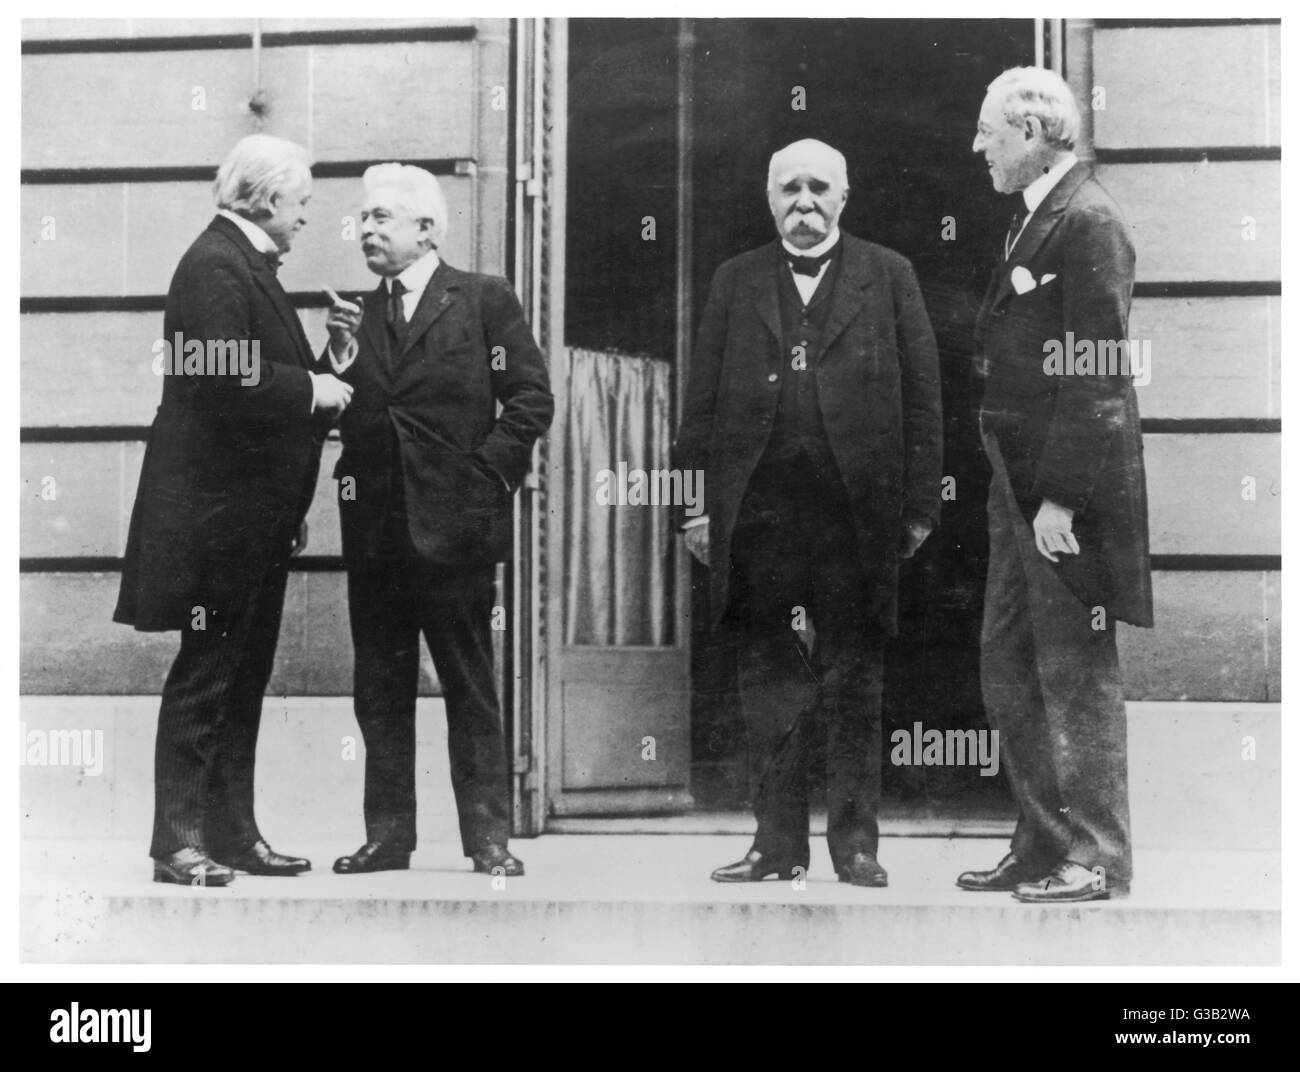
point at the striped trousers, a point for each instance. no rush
(207, 724)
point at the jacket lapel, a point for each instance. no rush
(849, 295)
(763, 292)
(438, 297)
(269, 285)
(846, 300)
(1041, 224)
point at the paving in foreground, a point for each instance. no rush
(639, 899)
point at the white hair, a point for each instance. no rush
(416, 192)
(1036, 91)
(809, 149)
(255, 170)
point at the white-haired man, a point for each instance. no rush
(451, 393)
(228, 475)
(1068, 550)
(813, 410)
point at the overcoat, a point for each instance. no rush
(231, 464)
(1069, 430)
(878, 390)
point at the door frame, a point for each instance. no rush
(537, 51)
(595, 662)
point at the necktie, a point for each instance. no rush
(394, 313)
(809, 265)
(1017, 222)
(273, 261)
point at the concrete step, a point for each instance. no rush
(638, 899)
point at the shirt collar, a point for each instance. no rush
(415, 276)
(817, 250)
(262, 242)
(1036, 192)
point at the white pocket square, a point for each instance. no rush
(1022, 280)
(1047, 278)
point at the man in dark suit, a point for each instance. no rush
(228, 475)
(426, 477)
(813, 410)
(1068, 551)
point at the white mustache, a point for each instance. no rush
(813, 219)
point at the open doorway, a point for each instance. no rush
(673, 122)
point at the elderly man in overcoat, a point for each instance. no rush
(813, 411)
(228, 474)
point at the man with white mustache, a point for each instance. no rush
(451, 394)
(813, 410)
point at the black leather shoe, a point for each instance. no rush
(372, 856)
(1067, 883)
(494, 859)
(863, 869)
(260, 859)
(191, 867)
(755, 867)
(1010, 873)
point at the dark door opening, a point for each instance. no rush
(899, 99)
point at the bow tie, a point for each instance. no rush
(809, 265)
(272, 261)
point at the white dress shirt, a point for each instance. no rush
(1036, 192)
(262, 242)
(415, 278)
(807, 284)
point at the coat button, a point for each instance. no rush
(771, 377)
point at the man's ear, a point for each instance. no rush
(1033, 127)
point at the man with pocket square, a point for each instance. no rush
(1068, 545)
(426, 477)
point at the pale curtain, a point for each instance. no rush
(618, 559)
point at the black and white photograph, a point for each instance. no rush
(697, 491)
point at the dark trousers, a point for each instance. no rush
(795, 553)
(391, 602)
(1052, 690)
(208, 722)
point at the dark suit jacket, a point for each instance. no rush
(230, 468)
(1073, 439)
(434, 417)
(878, 387)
